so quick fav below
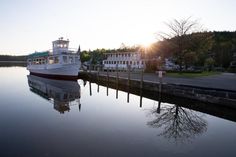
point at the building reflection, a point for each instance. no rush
(177, 123)
(62, 94)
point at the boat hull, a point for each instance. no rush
(65, 72)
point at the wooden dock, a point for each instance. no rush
(202, 94)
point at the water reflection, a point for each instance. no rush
(62, 94)
(177, 123)
(173, 121)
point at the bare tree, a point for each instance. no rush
(178, 37)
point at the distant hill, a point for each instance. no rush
(12, 58)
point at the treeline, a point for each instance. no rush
(206, 49)
(12, 58)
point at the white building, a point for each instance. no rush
(122, 60)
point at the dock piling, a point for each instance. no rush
(141, 79)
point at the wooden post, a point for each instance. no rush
(117, 75)
(159, 104)
(98, 88)
(141, 97)
(107, 88)
(79, 107)
(160, 75)
(128, 97)
(107, 74)
(90, 88)
(129, 75)
(90, 66)
(98, 72)
(141, 81)
(98, 69)
(116, 91)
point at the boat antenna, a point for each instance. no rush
(78, 49)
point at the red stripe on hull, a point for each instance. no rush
(57, 77)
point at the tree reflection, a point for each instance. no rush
(178, 123)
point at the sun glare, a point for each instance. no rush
(146, 41)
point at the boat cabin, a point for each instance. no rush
(60, 55)
(60, 46)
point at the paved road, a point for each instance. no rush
(226, 81)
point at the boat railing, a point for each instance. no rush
(70, 51)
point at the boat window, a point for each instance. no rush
(71, 59)
(65, 59)
(56, 60)
(76, 59)
(42, 61)
(50, 60)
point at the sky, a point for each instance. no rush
(31, 25)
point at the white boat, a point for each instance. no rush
(61, 93)
(61, 63)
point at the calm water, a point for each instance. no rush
(42, 117)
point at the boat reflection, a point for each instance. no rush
(62, 94)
